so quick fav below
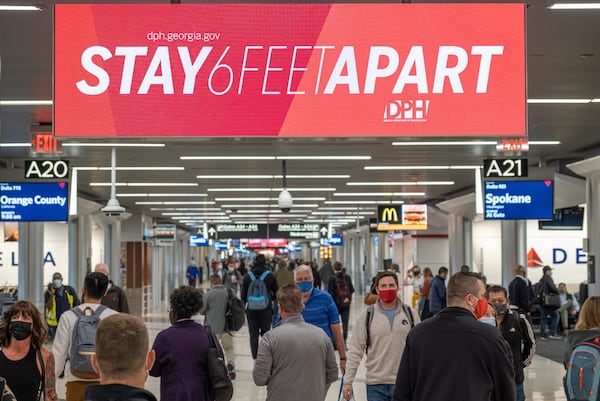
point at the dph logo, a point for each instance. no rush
(406, 110)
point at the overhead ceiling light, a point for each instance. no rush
(329, 212)
(227, 157)
(139, 168)
(380, 194)
(596, 100)
(182, 209)
(15, 145)
(113, 145)
(444, 143)
(25, 102)
(318, 157)
(271, 211)
(558, 101)
(348, 208)
(241, 205)
(130, 195)
(359, 202)
(575, 6)
(270, 177)
(269, 189)
(265, 199)
(176, 203)
(406, 167)
(400, 183)
(145, 184)
(253, 216)
(544, 142)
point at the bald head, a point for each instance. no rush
(101, 268)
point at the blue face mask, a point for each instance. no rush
(488, 320)
(58, 283)
(305, 286)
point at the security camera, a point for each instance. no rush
(284, 201)
(113, 208)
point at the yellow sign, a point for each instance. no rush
(388, 214)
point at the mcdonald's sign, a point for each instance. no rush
(389, 214)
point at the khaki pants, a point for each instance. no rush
(226, 340)
(76, 389)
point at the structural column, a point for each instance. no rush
(31, 263)
(456, 242)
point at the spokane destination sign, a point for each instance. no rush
(239, 70)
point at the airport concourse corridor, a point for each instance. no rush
(543, 379)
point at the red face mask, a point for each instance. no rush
(480, 308)
(388, 296)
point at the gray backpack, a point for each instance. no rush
(83, 342)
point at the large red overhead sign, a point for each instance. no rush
(289, 70)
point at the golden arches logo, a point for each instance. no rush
(389, 215)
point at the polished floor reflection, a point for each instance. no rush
(543, 379)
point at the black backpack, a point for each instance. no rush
(235, 316)
(343, 295)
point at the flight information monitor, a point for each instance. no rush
(518, 200)
(34, 201)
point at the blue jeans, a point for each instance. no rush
(380, 392)
(520, 392)
(553, 321)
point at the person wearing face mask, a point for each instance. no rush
(232, 277)
(516, 331)
(454, 357)
(122, 360)
(58, 298)
(416, 279)
(25, 364)
(320, 310)
(181, 350)
(380, 334)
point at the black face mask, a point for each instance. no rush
(20, 330)
(500, 308)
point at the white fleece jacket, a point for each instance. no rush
(387, 345)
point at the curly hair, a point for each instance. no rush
(25, 308)
(185, 302)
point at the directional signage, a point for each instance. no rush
(295, 230)
(221, 246)
(494, 168)
(47, 169)
(43, 142)
(211, 231)
(323, 231)
(335, 240)
(290, 231)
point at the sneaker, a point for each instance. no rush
(543, 338)
(231, 370)
(555, 337)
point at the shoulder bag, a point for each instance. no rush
(219, 381)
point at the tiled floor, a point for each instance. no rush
(543, 378)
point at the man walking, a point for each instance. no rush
(295, 360)
(516, 331)
(115, 297)
(258, 291)
(95, 286)
(380, 334)
(520, 292)
(122, 360)
(453, 356)
(58, 298)
(437, 292)
(215, 309)
(341, 289)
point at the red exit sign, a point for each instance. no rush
(44, 143)
(513, 145)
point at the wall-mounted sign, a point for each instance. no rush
(512, 200)
(238, 70)
(266, 242)
(401, 217)
(335, 240)
(164, 232)
(513, 145)
(47, 169)
(34, 201)
(198, 240)
(494, 168)
(221, 246)
(43, 142)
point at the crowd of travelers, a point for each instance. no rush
(297, 314)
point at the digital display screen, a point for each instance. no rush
(518, 200)
(34, 201)
(198, 240)
(569, 218)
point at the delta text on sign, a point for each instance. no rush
(235, 69)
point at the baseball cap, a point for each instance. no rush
(546, 268)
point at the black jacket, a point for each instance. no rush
(270, 282)
(454, 357)
(117, 392)
(332, 287)
(517, 333)
(520, 293)
(548, 286)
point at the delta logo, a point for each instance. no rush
(406, 111)
(533, 259)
